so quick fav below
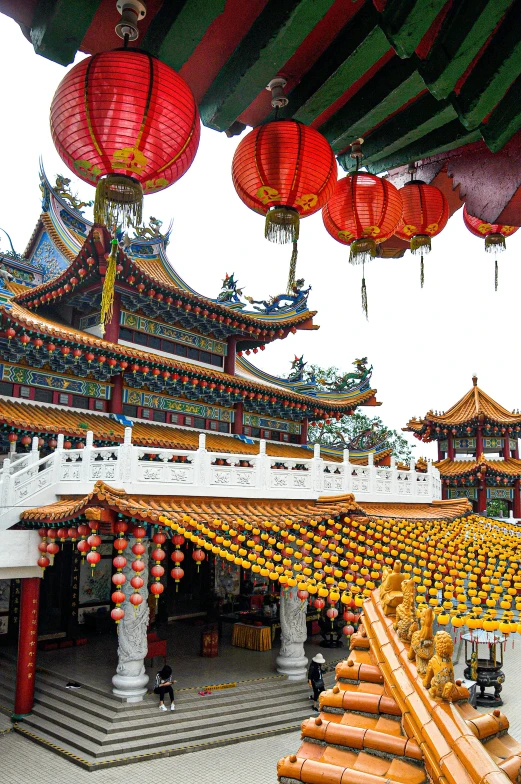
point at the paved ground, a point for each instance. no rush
(255, 761)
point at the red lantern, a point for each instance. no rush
(72, 533)
(425, 214)
(319, 604)
(157, 571)
(119, 578)
(348, 630)
(158, 555)
(157, 589)
(302, 595)
(119, 562)
(177, 573)
(43, 562)
(117, 614)
(363, 211)
(138, 566)
(137, 582)
(178, 540)
(128, 123)
(198, 556)
(177, 556)
(284, 170)
(93, 558)
(118, 597)
(136, 599)
(494, 234)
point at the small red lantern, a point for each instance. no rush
(136, 599)
(177, 556)
(177, 574)
(118, 597)
(157, 589)
(93, 558)
(117, 614)
(319, 604)
(178, 540)
(198, 555)
(425, 214)
(43, 562)
(494, 234)
(118, 578)
(127, 122)
(348, 630)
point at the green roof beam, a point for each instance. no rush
(178, 27)
(59, 26)
(444, 139)
(420, 118)
(465, 30)
(383, 95)
(505, 120)
(270, 42)
(406, 21)
(356, 48)
(493, 74)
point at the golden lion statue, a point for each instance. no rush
(405, 620)
(422, 641)
(391, 594)
(439, 678)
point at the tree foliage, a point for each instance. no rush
(340, 433)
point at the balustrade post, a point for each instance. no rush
(317, 469)
(87, 456)
(202, 467)
(124, 457)
(347, 482)
(394, 476)
(5, 494)
(412, 472)
(263, 467)
(57, 459)
(34, 454)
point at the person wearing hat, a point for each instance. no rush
(316, 678)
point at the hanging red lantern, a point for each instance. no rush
(117, 614)
(284, 170)
(129, 124)
(177, 556)
(178, 540)
(177, 574)
(136, 599)
(43, 562)
(157, 589)
(493, 233)
(319, 604)
(425, 214)
(198, 555)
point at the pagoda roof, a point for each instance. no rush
(475, 406)
(44, 419)
(215, 511)
(218, 387)
(413, 78)
(510, 466)
(146, 285)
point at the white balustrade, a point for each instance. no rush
(30, 481)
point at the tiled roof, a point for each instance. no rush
(16, 288)
(46, 327)
(474, 404)
(380, 724)
(208, 510)
(509, 467)
(437, 510)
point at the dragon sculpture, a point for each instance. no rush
(63, 189)
(348, 381)
(281, 301)
(152, 231)
(230, 291)
(297, 369)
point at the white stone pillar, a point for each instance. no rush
(130, 680)
(292, 660)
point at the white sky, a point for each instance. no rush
(424, 345)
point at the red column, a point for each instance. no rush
(450, 447)
(112, 328)
(479, 441)
(516, 451)
(440, 451)
(116, 400)
(506, 445)
(237, 421)
(444, 491)
(229, 360)
(304, 432)
(27, 644)
(517, 498)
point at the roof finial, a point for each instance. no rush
(475, 380)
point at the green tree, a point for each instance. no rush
(497, 508)
(340, 433)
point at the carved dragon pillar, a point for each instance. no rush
(292, 660)
(130, 681)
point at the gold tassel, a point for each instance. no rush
(420, 244)
(282, 225)
(362, 250)
(422, 272)
(364, 296)
(495, 243)
(118, 201)
(107, 295)
(292, 268)
(496, 276)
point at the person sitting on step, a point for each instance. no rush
(163, 685)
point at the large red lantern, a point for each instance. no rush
(127, 123)
(425, 214)
(493, 233)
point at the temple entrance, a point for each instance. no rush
(55, 590)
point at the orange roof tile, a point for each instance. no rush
(474, 404)
(508, 467)
(437, 510)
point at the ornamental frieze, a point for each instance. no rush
(159, 329)
(24, 375)
(135, 398)
(251, 420)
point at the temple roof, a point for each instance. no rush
(214, 511)
(474, 406)
(508, 467)
(46, 419)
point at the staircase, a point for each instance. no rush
(96, 729)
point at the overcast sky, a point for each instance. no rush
(424, 344)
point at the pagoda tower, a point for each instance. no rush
(478, 449)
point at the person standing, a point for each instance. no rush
(163, 685)
(316, 678)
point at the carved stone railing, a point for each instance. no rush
(157, 471)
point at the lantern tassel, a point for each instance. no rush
(364, 297)
(362, 250)
(282, 225)
(420, 244)
(422, 271)
(292, 268)
(118, 201)
(107, 295)
(496, 275)
(495, 243)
